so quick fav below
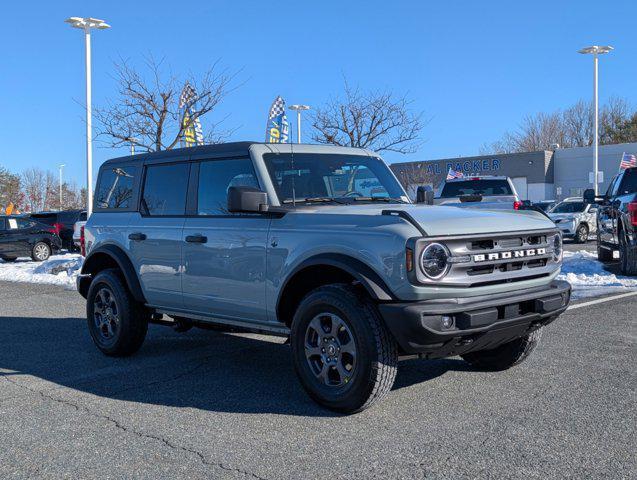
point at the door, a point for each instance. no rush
(521, 187)
(4, 237)
(16, 237)
(224, 253)
(605, 213)
(154, 234)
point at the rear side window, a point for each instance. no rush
(165, 189)
(3, 224)
(476, 187)
(46, 218)
(115, 187)
(629, 182)
(215, 177)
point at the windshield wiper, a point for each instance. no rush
(315, 200)
(378, 199)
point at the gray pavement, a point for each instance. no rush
(212, 405)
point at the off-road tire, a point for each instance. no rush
(40, 252)
(133, 316)
(627, 256)
(581, 234)
(505, 356)
(376, 362)
(603, 255)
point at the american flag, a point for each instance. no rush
(451, 174)
(628, 161)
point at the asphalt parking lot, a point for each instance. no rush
(211, 405)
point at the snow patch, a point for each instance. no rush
(589, 278)
(58, 270)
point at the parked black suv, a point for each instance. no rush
(62, 222)
(617, 220)
(24, 237)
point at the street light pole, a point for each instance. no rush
(61, 166)
(299, 109)
(596, 50)
(86, 24)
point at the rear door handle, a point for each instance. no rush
(196, 239)
(137, 236)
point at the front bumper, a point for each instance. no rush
(475, 323)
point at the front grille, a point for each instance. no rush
(498, 259)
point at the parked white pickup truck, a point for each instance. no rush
(491, 192)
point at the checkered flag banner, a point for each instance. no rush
(192, 133)
(188, 96)
(277, 129)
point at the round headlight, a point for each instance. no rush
(434, 261)
(557, 247)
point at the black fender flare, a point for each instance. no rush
(124, 264)
(368, 278)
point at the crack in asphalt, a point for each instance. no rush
(118, 425)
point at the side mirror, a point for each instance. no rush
(425, 194)
(526, 203)
(589, 195)
(593, 210)
(247, 200)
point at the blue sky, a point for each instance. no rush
(474, 68)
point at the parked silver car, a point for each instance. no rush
(575, 218)
(487, 191)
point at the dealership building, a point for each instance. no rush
(543, 175)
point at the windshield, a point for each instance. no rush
(568, 207)
(476, 187)
(328, 177)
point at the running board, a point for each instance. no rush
(254, 327)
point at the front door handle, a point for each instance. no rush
(137, 236)
(196, 239)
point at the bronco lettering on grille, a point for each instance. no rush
(531, 252)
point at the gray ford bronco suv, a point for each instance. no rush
(319, 244)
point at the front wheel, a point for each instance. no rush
(581, 235)
(343, 355)
(40, 252)
(116, 322)
(507, 355)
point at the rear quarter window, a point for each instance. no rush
(115, 187)
(629, 182)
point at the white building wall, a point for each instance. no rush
(540, 191)
(572, 165)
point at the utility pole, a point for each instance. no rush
(299, 109)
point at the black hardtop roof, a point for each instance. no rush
(218, 148)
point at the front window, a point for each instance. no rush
(476, 187)
(304, 177)
(569, 207)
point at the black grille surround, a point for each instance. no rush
(491, 259)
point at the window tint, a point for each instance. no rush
(611, 187)
(115, 188)
(3, 225)
(629, 182)
(215, 177)
(476, 187)
(46, 218)
(24, 223)
(165, 189)
(569, 207)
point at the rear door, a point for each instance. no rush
(16, 241)
(224, 253)
(3, 235)
(155, 233)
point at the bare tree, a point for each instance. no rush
(412, 176)
(34, 187)
(10, 190)
(379, 121)
(147, 113)
(572, 127)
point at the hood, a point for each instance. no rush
(562, 216)
(441, 220)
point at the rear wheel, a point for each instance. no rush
(40, 252)
(581, 235)
(507, 355)
(116, 322)
(343, 354)
(627, 256)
